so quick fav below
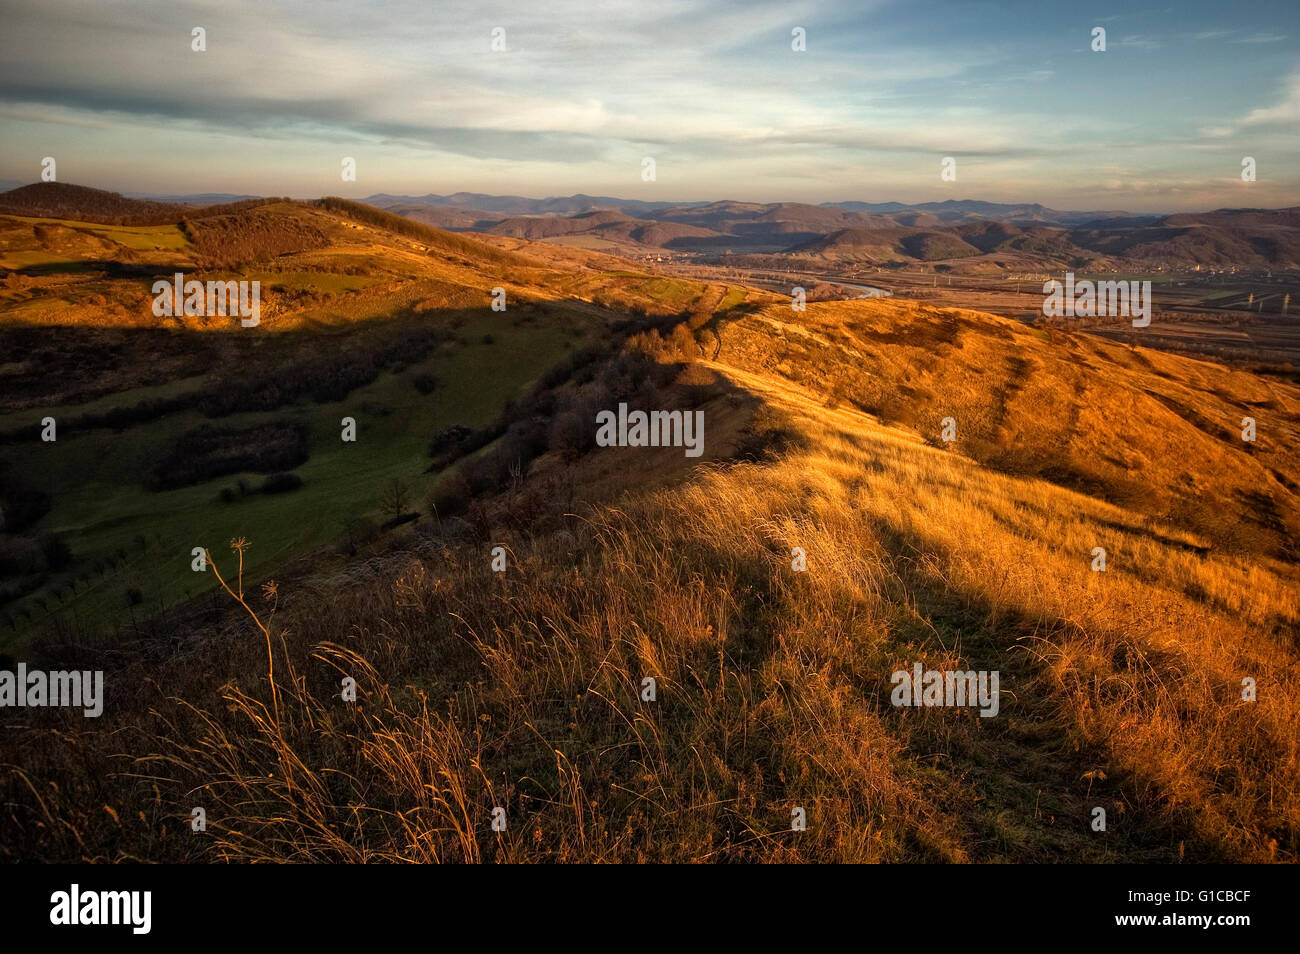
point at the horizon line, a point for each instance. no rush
(663, 202)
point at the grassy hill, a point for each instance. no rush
(525, 689)
(364, 316)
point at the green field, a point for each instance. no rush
(101, 509)
(143, 238)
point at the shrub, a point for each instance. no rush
(573, 432)
(450, 498)
(281, 483)
(486, 473)
(525, 440)
(360, 531)
(207, 451)
(449, 439)
(328, 378)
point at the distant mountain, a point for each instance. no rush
(202, 198)
(1007, 235)
(519, 205)
(740, 226)
(1255, 238)
(610, 227)
(1237, 242)
(995, 234)
(454, 218)
(919, 215)
(1239, 218)
(541, 227)
(887, 245)
(969, 210)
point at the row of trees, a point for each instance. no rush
(326, 378)
(209, 451)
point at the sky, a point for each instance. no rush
(713, 92)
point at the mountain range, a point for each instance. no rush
(968, 232)
(967, 235)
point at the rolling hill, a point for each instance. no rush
(1022, 236)
(676, 653)
(362, 314)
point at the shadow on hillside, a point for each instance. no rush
(69, 364)
(1164, 541)
(1035, 767)
(246, 373)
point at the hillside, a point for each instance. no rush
(1019, 236)
(525, 689)
(62, 200)
(540, 227)
(886, 245)
(182, 419)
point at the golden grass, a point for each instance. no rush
(476, 690)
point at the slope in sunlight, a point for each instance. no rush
(677, 658)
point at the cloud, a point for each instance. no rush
(1284, 114)
(710, 88)
(1140, 42)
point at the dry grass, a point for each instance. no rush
(523, 690)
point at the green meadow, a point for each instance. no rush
(102, 510)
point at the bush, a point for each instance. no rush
(486, 473)
(450, 498)
(324, 379)
(425, 383)
(525, 440)
(360, 531)
(281, 483)
(573, 432)
(449, 439)
(207, 451)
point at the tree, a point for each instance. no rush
(395, 496)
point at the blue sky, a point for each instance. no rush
(712, 91)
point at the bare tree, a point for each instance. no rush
(395, 497)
